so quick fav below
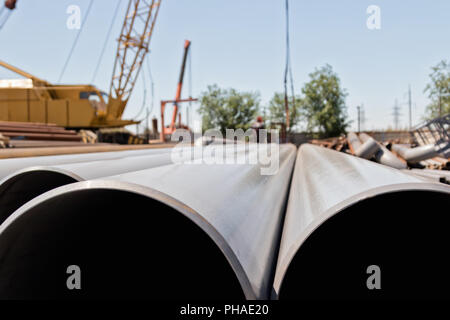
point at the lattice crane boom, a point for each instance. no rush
(133, 45)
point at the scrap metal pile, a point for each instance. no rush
(141, 226)
(404, 156)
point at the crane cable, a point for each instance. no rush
(106, 41)
(152, 87)
(75, 41)
(144, 97)
(145, 93)
(288, 72)
(5, 16)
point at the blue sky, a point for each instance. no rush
(240, 44)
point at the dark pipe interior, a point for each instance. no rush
(407, 234)
(127, 246)
(25, 186)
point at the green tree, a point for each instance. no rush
(277, 110)
(324, 103)
(439, 90)
(228, 109)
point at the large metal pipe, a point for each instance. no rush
(220, 227)
(384, 156)
(23, 185)
(365, 150)
(353, 142)
(417, 154)
(346, 214)
(23, 179)
(51, 151)
(435, 175)
(9, 166)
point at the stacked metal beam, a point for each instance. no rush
(37, 131)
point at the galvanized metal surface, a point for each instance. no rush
(9, 166)
(240, 209)
(324, 183)
(353, 141)
(23, 185)
(434, 175)
(368, 149)
(384, 156)
(417, 154)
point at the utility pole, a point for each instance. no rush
(147, 130)
(396, 114)
(440, 104)
(362, 117)
(409, 105)
(359, 118)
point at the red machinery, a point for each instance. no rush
(171, 128)
(10, 4)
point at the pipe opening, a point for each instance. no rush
(405, 233)
(127, 246)
(25, 186)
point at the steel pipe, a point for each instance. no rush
(9, 166)
(435, 175)
(417, 154)
(87, 148)
(353, 142)
(384, 156)
(215, 219)
(346, 214)
(365, 150)
(23, 185)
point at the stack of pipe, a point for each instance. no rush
(222, 220)
(372, 148)
(37, 131)
(209, 230)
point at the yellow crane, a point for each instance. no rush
(85, 106)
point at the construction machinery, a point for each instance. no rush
(85, 106)
(172, 127)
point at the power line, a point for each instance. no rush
(106, 41)
(76, 41)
